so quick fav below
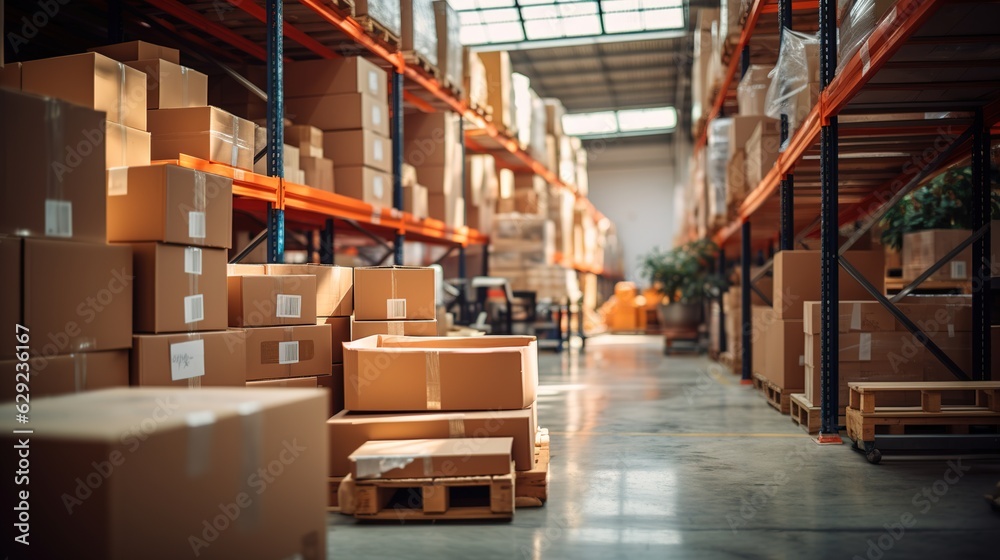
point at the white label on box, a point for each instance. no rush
(239, 174)
(373, 81)
(951, 330)
(395, 308)
(958, 270)
(187, 359)
(377, 149)
(289, 306)
(377, 115)
(377, 187)
(196, 225)
(856, 317)
(865, 350)
(194, 308)
(192, 260)
(288, 352)
(118, 181)
(58, 218)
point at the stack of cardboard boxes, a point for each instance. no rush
(384, 13)
(500, 89)
(347, 98)
(627, 313)
(394, 300)
(433, 146)
(315, 169)
(482, 190)
(450, 53)
(754, 141)
(519, 241)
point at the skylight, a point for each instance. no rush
(505, 21)
(626, 121)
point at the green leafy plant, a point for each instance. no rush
(942, 203)
(684, 274)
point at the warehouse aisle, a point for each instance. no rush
(672, 458)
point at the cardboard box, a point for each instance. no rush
(365, 184)
(441, 180)
(500, 91)
(343, 111)
(432, 458)
(450, 209)
(125, 146)
(67, 310)
(340, 332)
(530, 202)
(364, 329)
(171, 204)
(203, 132)
(67, 194)
(797, 279)
(93, 81)
(899, 349)
(246, 269)
(279, 352)
(188, 452)
(761, 153)
(138, 50)
(71, 373)
(432, 139)
(308, 139)
(354, 74)
(10, 75)
(349, 430)
(450, 55)
(864, 316)
(335, 385)
(203, 359)
(763, 321)
(178, 288)
(743, 127)
(317, 172)
(359, 147)
(737, 186)
(334, 286)
(415, 201)
(408, 175)
(921, 249)
(785, 362)
(393, 293)
(397, 373)
(272, 301)
(170, 85)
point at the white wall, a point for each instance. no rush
(633, 185)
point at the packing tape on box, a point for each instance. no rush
(122, 106)
(236, 137)
(456, 427)
(433, 374)
(184, 86)
(856, 317)
(395, 328)
(197, 219)
(865, 347)
(58, 211)
(79, 371)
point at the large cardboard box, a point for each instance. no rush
(500, 92)
(364, 329)
(797, 279)
(921, 249)
(271, 301)
(365, 184)
(359, 147)
(743, 127)
(171, 204)
(863, 316)
(340, 332)
(125, 146)
(279, 352)
(204, 359)
(342, 111)
(415, 201)
(138, 50)
(764, 319)
(233, 473)
(334, 286)
(93, 81)
(349, 430)
(317, 172)
(170, 85)
(67, 311)
(52, 170)
(441, 180)
(786, 355)
(178, 288)
(394, 293)
(432, 139)
(761, 153)
(432, 458)
(450, 209)
(353, 74)
(397, 373)
(71, 373)
(203, 132)
(308, 139)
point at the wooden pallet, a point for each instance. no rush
(531, 488)
(866, 419)
(775, 396)
(425, 499)
(759, 382)
(804, 414)
(379, 31)
(413, 58)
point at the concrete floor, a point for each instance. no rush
(657, 457)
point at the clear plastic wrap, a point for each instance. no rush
(717, 161)
(795, 79)
(417, 18)
(386, 12)
(751, 93)
(856, 25)
(451, 58)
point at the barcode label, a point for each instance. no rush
(196, 225)
(289, 306)
(194, 308)
(288, 352)
(239, 174)
(373, 81)
(187, 359)
(958, 270)
(395, 309)
(376, 115)
(192, 260)
(377, 149)
(59, 218)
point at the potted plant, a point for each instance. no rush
(685, 279)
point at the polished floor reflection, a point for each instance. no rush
(657, 457)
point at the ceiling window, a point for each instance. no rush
(626, 122)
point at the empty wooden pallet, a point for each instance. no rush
(804, 414)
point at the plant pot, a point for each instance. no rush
(681, 315)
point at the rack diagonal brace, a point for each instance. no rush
(936, 266)
(368, 234)
(249, 248)
(920, 335)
